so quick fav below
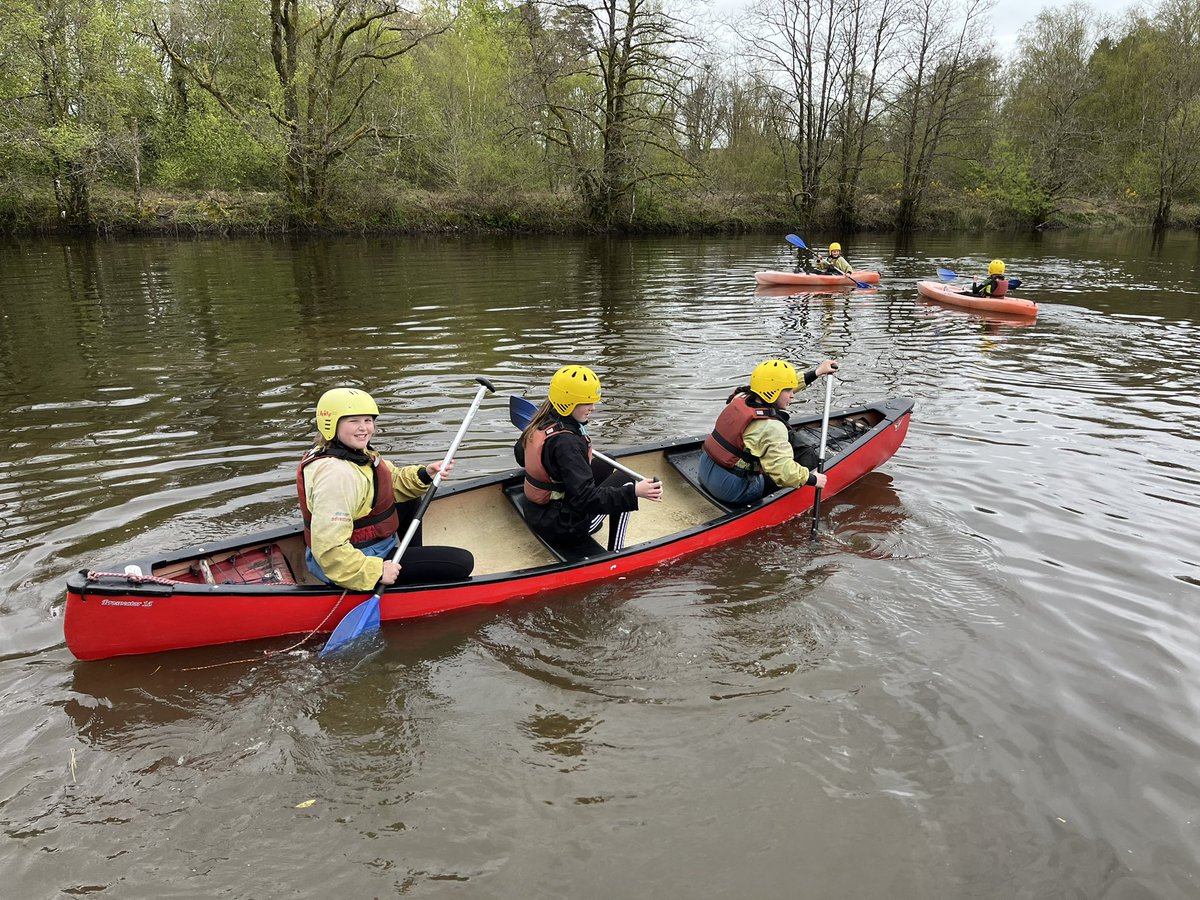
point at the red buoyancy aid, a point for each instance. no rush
(727, 444)
(1000, 288)
(539, 486)
(382, 521)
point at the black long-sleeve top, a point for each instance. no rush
(565, 457)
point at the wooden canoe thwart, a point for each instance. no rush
(257, 586)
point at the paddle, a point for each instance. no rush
(521, 413)
(799, 242)
(365, 616)
(947, 275)
(821, 456)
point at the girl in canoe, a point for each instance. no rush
(748, 452)
(995, 285)
(569, 492)
(835, 263)
(355, 504)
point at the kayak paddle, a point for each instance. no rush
(365, 616)
(521, 413)
(797, 241)
(821, 457)
(947, 275)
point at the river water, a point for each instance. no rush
(981, 681)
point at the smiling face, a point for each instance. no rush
(582, 412)
(356, 431)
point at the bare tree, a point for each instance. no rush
(944, 53)
(603, 87)
(870, 30)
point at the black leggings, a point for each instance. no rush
(436, 563)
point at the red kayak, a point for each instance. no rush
(946, 293)
(804, 278)
(257, 586)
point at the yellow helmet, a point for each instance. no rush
(996, 267)
(772, 377)
(342, 402)
(835, 247)
(572, 385)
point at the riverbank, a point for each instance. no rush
(424, 212)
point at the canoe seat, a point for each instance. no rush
(575, 550)
(687, 462)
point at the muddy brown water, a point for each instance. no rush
(982, 681)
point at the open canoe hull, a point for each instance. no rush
(804, 278)
(1009, 304)
(176, 602)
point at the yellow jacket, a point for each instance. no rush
(338, 492)
(768, 440)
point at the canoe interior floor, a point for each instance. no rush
(485, 522)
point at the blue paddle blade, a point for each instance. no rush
(861, 284)
(945, 274)
(520, 411)
(796, 241)
(364, 617)
(1014, 283)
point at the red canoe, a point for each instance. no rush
(257, 586)
(805, 278)
(935, 290)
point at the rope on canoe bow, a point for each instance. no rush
(133, 579)
(267, 654)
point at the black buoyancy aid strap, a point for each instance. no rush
(740, 453)
(544, 485)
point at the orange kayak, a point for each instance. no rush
(946, 293)
(816, 280)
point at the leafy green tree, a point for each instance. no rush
(325, 59)
(79, 91)
(1148, 101)
(1047, 106)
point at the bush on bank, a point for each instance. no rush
(414, 211)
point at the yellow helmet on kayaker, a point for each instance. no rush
(572, 385)
(772, 377)
(996, 267)
(835, 247)
(342, 402)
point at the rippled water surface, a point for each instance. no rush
(981, 681)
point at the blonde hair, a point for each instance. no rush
(544, 414)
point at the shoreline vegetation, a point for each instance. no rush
(593, 116)
(252, 213)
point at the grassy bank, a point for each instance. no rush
(422, 212)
